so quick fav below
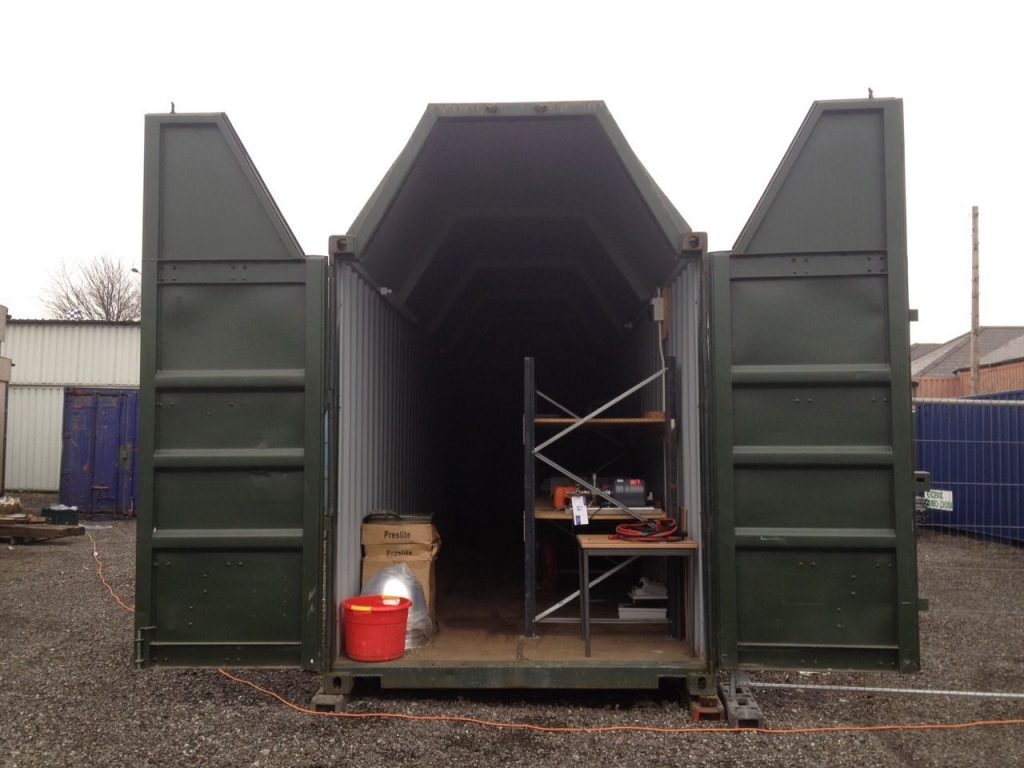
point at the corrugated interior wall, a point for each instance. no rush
(683, 344)
(641, 357)
(34, 419)
(386, 380)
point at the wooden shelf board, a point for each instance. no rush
(596, 514)
(559, 421)
(597, 542)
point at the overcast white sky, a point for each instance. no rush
(325, 95)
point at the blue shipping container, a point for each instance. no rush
(976, 451)
(98, 472)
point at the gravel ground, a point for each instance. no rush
(70, 694)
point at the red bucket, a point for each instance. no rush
(374, 627)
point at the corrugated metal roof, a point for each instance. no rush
(48, 353)
(955, 354)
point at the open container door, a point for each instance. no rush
(231, 412)
(815, 562)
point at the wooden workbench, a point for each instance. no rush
(605, 546)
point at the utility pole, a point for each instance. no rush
(975, 330)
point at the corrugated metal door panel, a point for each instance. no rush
(77, 451)
(107, 446)
(128, 454)
(815, 562)
(98, 458)
(232, 411)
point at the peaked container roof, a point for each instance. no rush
(514, 201)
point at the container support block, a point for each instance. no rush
(741, 708)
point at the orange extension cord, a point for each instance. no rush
(99, 572)
(567, 729)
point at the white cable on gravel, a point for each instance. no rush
(870, 689)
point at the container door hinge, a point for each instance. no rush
(142, 646)
(342, 247)
(694, 243)
(922, 482)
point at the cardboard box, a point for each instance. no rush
(415, 533)
(421, 562)
(413, 541)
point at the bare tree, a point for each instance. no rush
(100, 289)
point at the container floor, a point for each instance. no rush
(556, 643)
(483, 622)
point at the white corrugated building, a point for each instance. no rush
(5, 377)
(47, 356)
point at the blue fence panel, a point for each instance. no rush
(976, 450)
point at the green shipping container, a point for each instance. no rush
(510, 247)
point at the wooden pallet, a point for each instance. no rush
(24, 528)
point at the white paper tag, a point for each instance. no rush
(579, 510)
